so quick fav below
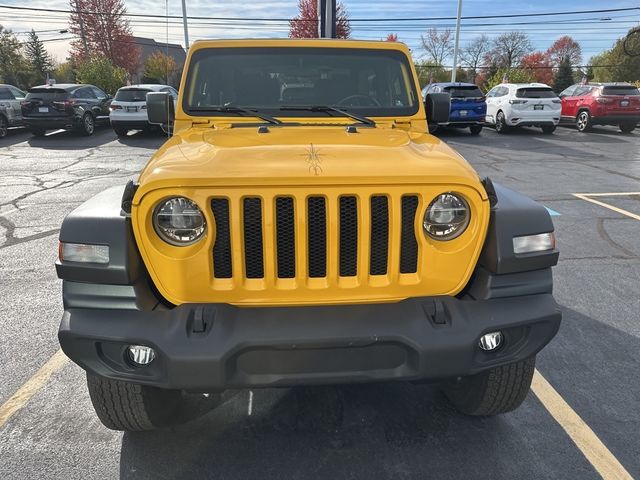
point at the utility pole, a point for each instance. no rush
(83, 35)
(455, 50)
(184, 23)
(327, 18)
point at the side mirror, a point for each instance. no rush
(438, 106)
(160, 109)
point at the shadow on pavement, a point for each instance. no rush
(143, 139)
(14, 136)
(401, 430)
(72, 140)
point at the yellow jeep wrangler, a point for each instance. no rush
(302, 227)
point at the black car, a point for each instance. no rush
(68, 106)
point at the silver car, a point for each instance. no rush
(10, 109)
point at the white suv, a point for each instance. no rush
(129, 107)
(523, 105)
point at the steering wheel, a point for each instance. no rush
(359, 101)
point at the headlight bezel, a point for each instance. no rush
(461, 226)
(167, 238)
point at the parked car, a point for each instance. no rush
(10, 112)
(68, 106)
(523, 105)
(601, 104)
(129, 107)
(468, 105)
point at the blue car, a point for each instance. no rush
(468, 105)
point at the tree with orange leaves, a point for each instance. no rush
(103, 31)
(305, 24)
(539, 64)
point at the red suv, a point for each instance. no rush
(601, 104)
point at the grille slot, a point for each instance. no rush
(379, 235)
(222, 266)
(348, 236)
(253, 243)
(408, 241)
(317, 237)
(285, 238)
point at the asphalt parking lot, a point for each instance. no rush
(390, 430)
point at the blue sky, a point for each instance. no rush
(595, 32)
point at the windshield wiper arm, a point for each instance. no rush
(329, 108)
(235, 109)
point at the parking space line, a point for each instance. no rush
(605, 463)
(585, 196)
(31, 387)
(611, 194)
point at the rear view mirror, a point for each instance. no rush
(438, 106)
(160, 109)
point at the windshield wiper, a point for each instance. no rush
(228, 108)
(329, 108)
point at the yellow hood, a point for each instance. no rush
(304, 155)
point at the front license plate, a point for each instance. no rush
(624, 103)
(463, 113)
(538, 107)
(43, 109)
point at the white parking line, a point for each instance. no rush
(250, 406)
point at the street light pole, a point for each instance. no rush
(455, 50)
(184, 23)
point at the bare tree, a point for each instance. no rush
(509, 48)
(439, 46)
(472, 55)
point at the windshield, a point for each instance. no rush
(47, 94)
(132, 95)
(621, 90)
(362, 81)
(464, 92)
(535, 93)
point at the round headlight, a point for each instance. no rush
(447, 217)
(179, 221)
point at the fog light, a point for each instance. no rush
(141, 355)
(490, 341)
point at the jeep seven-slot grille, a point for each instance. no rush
(308, 218)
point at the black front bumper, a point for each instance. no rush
(216, 346)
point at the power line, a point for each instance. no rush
(244, 19)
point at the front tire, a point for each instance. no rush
(131, 407)
(624, 128)
(583, 121)
(548, 129)
(499, 390)
(501, 123)
(87, 125)
(475, 129)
